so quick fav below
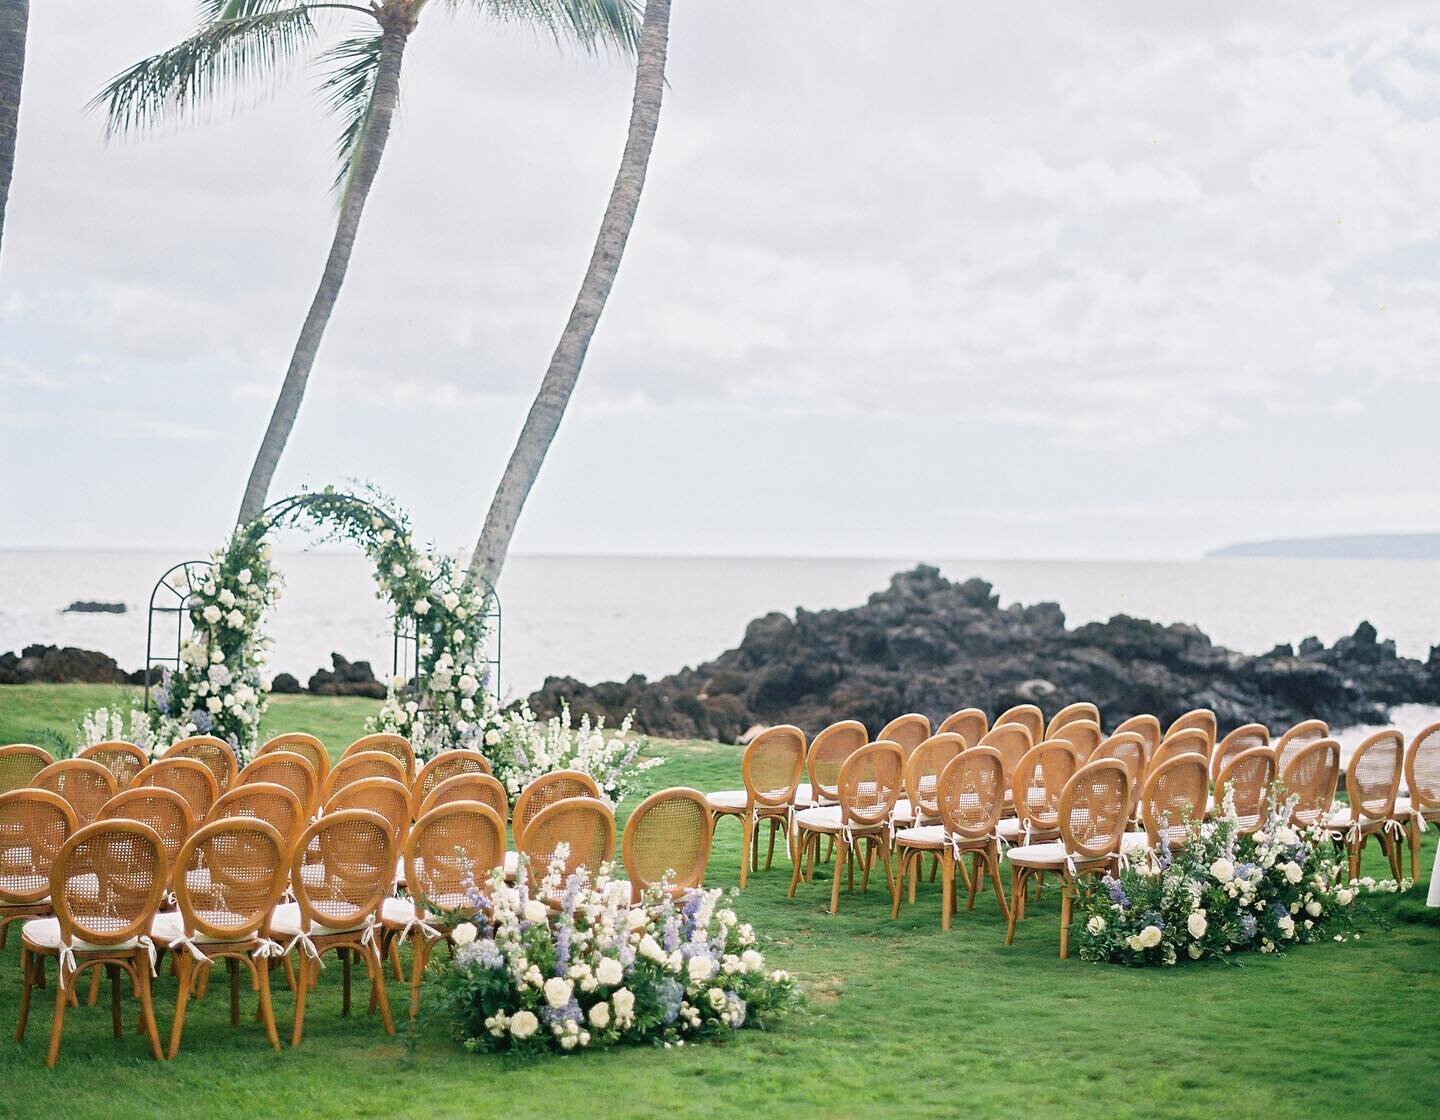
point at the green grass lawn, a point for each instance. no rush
(899, 1018)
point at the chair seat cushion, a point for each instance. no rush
(1343, 816)
(1012, 831)
(1049, 854)
(728, 799)
(286, 923)
(805, 795)
(44, 933)
(822, 818)
(168, 925)
(1404, 807)
(1134, 841)
(924, 836)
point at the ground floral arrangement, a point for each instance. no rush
(1224, 893)
(592, 970)
(526, 747)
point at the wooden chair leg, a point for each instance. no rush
(112, 973)
(914, 875)
(302, 987)
(420, 951)
(770, 851)
(842, 855)
(1354, 864)
(377, 980)
(185, 969)
(1066, 893)
(1414, 831)
(745, 845)
(992, 861)
(1016, 885)
(57, 1024)
(345, 979)
(972, 877)
(868, 863)
(947, 887)
(895, 894)
(27, 979)
(94, 996)
(267, 1009)
(795, 870)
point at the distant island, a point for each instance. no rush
(1375, 546)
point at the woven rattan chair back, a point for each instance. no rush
(1147, 727)
(1027, 716)
(452, 847)
(447, 764)
(1126, 747)
(19, 763)
(668, 833)
(270, 802)
(86, 785)
(586, 824)
(1094, 808)
(1083, 735)
(397, 746)
(484, 788)
(1072, 713)
(1246, 737)
(307, 746)
(285, 768)
(190, 778)
(907, 732)
(34, 825)
(1303, 733)
(969, 723)
(972, 793)
(1039, 782)
(359, 766)
(1012, 740)
(1422, 768)
(828, 752)
(772, 765)
(1311, 777)
(164, 810)
(343, 868)
(922, 773)
(545, 791)
(107, 882)
(1174, 798)
(242, 864)
(870, 784)
(1202, 719)
(215, 753)
(1373, 777)
(123, 760)
(1190, 741)
(1247, 779)
(385, 796)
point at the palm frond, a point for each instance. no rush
(590, 24)
(349, 89)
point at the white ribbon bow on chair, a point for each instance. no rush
(184, 942)
(307, 946)
(145, 943)
(264, 947)
(414, 922)
(66, 962)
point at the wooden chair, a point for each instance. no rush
(1174, 799)
(1202, 719)
(1302, 734)
(285, 768)
(869, 786)
(1372, 781)
(1190, 741)
(544, 791)
(453, 847)
(270, 802)
(397, 746)
(1083, 735)
(586, 824)
(215, 753)
(1422, 780)
(1147, 727)
(123, 760)
(1036, 789)
(447, 764)
(907, 732)
(19, 764)
(668, 833)
(483, 788)
(190, 778)
(1027, 716)
(1311, 777)
(827, 754)
(230, 877)
(921, 805)
(86, 785)
(359, 766)
(1128, 748)
(1247, 778)
(383, 796)
(34, 825)
(1012, 740)
(1246, 737)
(341, 872)
(164, 810)
(1072, 713)
(969, 723)
(1094, 809)
(306, 746)
(105, 886)
(771, 769)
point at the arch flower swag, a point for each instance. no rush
(219, 689)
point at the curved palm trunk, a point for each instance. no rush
(545, 414)
(352, 202)
(14, 16)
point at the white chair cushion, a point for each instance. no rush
(1404, 807)
(804, 794)
(1342, 816)
(44, 933)
(167, 926)
(926, 836)
(1134, 841)
(820, 818)
(728, 799)
(286, 923)
(1049, 854)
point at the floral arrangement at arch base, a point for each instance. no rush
(592, 970)
(1224, 893)
(525, 747)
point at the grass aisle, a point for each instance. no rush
(900, 1017)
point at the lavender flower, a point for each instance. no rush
(1248, 926)
(202, 720)
(1117, 892)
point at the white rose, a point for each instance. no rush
(451, 600)
(468, 685)
(1196, 924)
(387, 535)
(1293, 872)
(397, 570)
(244, 577)
(1313, 908)
(524, 1024)
(600, 1016)
(422, 606)
(235, 620)
(1286, 925)
(558, 991)
(226, 597)
(492, 737)
(1286, 835)
(636, 919)
(214, 705)
(1223, 870)
(459, 636)
(536, 911)
(216, 657)
(650, 949)
(1096, 924)
(700, 969)
(1150, 937)
(716, 996)
(463, 934)
(726, 917)
(1134, 943)
(211, 614)
(1344, 896)
(1194, 950)
(624, 1001)
(752, 960)
(609, 972)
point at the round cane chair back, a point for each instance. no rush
(668, 833)
(1094, 809)
(34, 825)
(86, 785)
(384, 796)
(285, 768)
(1028, 716)
(164, 810)
(230, 876)
(306, 746)
(1147, 727)
(1246, 737)
(123, 760)
(870, 783)
(448, 764)
(1039, 782)
(969, 723)
(972, 793)
(1247, 780)
(270, 802)
(907, 732)
(827, 754)
(107, 882)
(1422, 768)
(1190, 741)
(1127, 748)
(453, 847)
(1072, 713)
(190, 778)
(396, 746)
(1202, 719)
(483, 788)
(342, 869)
(1083, 735)
(357, 767)
(1311, 777)
(1174, 798)
(1303, 733)
(584, 823)
(772, 765)
(19, 763)
(1012, 740)
(1373, 777)
(215, 753)
(922, 773)
(545, 791)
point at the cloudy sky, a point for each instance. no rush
(1079, 280)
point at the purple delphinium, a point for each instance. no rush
(563, 931)
(1152, 918)
(1117, 892)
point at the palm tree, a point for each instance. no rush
(14, 16)
(548, 408)
(241, 42)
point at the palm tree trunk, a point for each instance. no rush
(367, 162)
(14, 16)
(545, 414)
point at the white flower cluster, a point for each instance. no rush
(528, 748)
(107, 725)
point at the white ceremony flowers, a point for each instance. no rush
(536, 911)
(211, 614)
(1150, 937)
(1096, 924)
(599, 1016)
(700, 969)
(1197, 924)
(243, 577)
(235, 620)
(558, 991)
(1293, 872)
(421, 607)
(463, 934)
(1222, 870)
(609, 972)
(524, 1024)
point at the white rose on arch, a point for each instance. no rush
(421, 607)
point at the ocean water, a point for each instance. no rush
(600, 618)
